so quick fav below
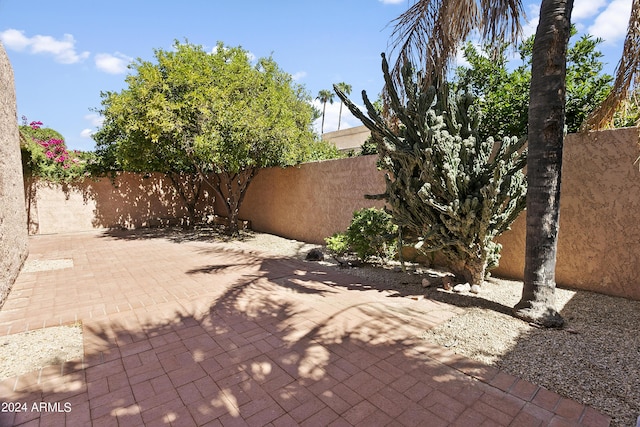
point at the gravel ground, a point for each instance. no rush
(594, 359)
(30, 351)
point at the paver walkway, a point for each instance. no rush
(191, 334)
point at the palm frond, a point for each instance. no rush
(627, 76)
(430, 32)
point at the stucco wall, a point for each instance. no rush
(599, 239)
(128, 201)
(13, 221)
(599, 242)
(314, 200)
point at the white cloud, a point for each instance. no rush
(331, 117)
(62, 50)
(533, 16)
(86, 133)
(611, 25)
(299, 75)
(586, 9)
(95, 120)
(14, 39)
(112, 64)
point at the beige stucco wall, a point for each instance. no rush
(13, 220)
(599, 239)
(128, 201)
(314, 200)
(348, 139)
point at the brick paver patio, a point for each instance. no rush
(192, 334)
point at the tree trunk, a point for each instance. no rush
(546, 135)
(475, 272)
(189, 188)
(231, 189)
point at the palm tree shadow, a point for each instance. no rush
(268, 344)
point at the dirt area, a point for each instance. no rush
(594, 359)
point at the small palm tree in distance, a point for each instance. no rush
(346, 89)
(324, 96)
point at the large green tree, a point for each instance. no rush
(215, 112)
(430, 32)
(503, 91)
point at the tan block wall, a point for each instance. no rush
(314, 200)
(13, 221)
(130, 201)
(599, 240)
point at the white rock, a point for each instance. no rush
(425, 282)
(475, 289)
(463, 287)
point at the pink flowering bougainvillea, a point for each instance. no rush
(54, 149)
(47, 157)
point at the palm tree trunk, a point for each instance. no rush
(546, 135)
(324, 108)
(340, 116)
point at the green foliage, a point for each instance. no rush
(210, 112)
(446, 187)
(371, 233)
(321, 150)
(45, 155)
(629, 113)
(338, 243)
(215, 110)
(369, 147)
(503, 94)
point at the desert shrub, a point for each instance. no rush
(371, 233)
(338, 244)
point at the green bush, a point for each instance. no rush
(338, 243)
(371, 233)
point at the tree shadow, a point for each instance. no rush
(594, 359)
(122, 201)
(280, 343)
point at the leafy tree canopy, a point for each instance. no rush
(504, 93)
(215, 108)
(212, 112)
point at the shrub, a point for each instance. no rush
(338, 243)
(45, 155)
(371, 233)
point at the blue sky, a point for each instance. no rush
(65, 53)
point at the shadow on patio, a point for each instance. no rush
(249, 340)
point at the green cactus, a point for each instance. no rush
(450, 191)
